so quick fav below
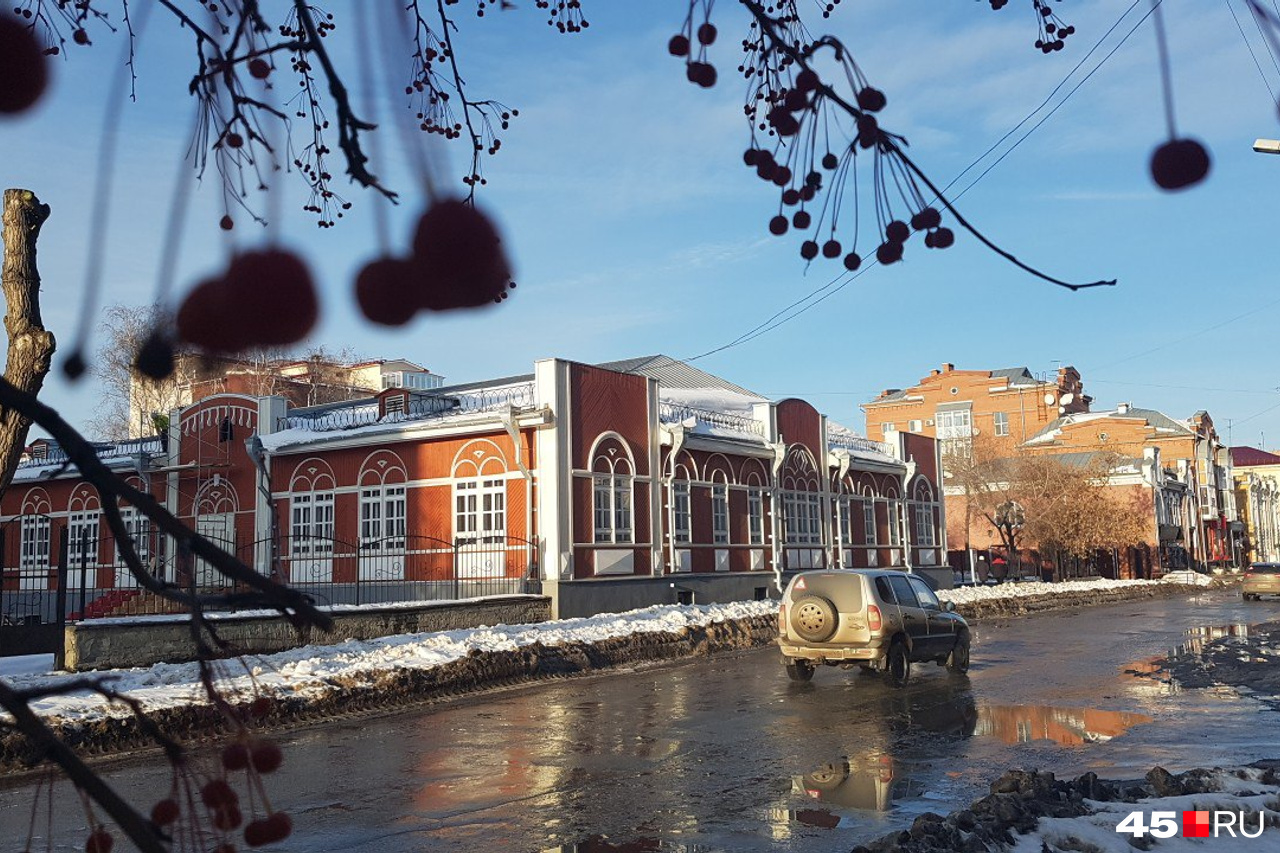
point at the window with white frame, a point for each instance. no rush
(82, 539)
(895, 535)
(869, 521)
(480, 511)
(846, 521)
(955, 431)
(802, 518)
(720, 514)
(681, 522)
(755, 516)
(138, 527)
(924, 525)
(886, 428)
(311, 517)
(382, 518)
(612, 502)
(1001, 422)
(914, 426)
(34, 555)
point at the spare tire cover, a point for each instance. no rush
(814, 618)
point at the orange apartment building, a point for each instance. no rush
(1179, 469)
(955, 405)
(1188, 453)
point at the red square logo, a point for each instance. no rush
(1195, 824)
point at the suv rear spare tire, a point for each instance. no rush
(814, 618)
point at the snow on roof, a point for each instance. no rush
(840, 437)
(361, 417)
(1161, 422)
(116, 456)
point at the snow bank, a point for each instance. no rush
(1026, 589)
(312, 669)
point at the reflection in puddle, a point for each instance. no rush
(1065, 726)
(868, 782)
(1198, 638)
(1156, 670)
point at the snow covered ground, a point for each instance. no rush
(1097, 832)
(309, 670)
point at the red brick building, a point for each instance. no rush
(607, 487)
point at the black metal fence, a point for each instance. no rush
(405, 568)
(53, 574)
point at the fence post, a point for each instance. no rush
(457, 588)
(60, 651)
(359, 569)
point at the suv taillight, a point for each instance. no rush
(782, 619)
(874, 622)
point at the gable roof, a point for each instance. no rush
(1246, 456)
(1016, 376)
(673, 373)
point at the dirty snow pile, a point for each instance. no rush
(311, 669)
(970, 594)
(1097, 832)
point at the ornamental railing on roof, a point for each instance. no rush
(858, 443)
(675, 413)
(57, 456)
(419, 406)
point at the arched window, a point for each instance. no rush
(311, 509)
(870, 535)
(719, 508)
(34, 532)
(801, 499)
(922, 507)
(612, 482)
(893, 517)
(480, 494)
(383, 510)
(753, 477)
(681, 501)
(83, 513)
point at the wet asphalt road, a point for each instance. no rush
(727, 754)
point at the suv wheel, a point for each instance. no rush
(813, 618)
(958, 660)
(897, 668)
(800, 669)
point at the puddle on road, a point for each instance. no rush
(1065, 726)
(1155, 670)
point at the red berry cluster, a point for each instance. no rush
(457, 262)
(23, 74)
(215, 803)
(564, 15)
(265, 298)
(1053, 31)
(681, 45)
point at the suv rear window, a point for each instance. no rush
(884, 591)
(903, 592)
(1265, 568)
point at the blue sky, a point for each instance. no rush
(635, 228)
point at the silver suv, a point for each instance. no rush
(879, 619)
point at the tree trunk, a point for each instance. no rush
(31, 345)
